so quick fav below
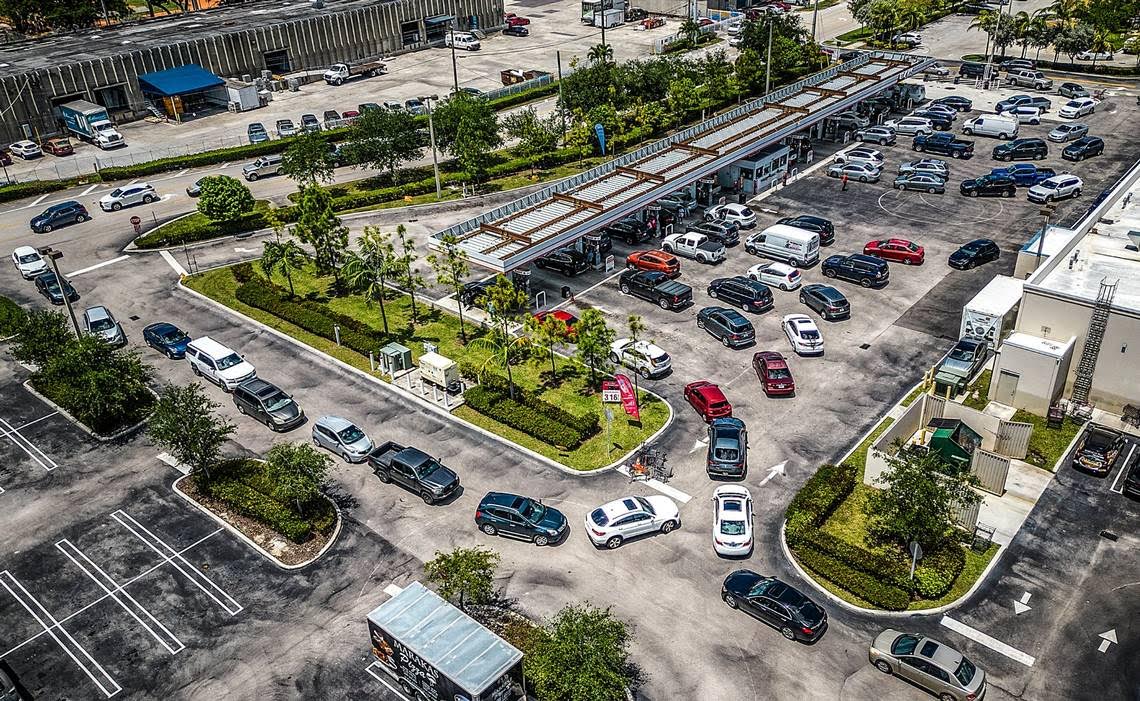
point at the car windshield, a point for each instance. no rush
(965, 672)
(904, 645)
(1048, 185)
(102, 325)
(533, 511)
(173, 336)
(278, 401)
(350, 435)
(428, 468)
(229, 361)
(1099, 441)
(117, 192)
(732, 528)
(972, 247)
(761, 588)
(1074, 103)
(779, 374)
(960, 353)
(29, 258)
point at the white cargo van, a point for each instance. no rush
(462, 41)
(999, 125)
(786, 244)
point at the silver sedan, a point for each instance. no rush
(1068, 132)
(928, 663)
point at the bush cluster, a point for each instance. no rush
(245, 486)
(12, 317)
(197, 227)
(585, 426)
(499, 406)
(879, 579)
(16, 191)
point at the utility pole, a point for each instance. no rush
(561, 109)
(814, 18)
(427, 100)
(768, 61)
(54, 256)
(454, 65)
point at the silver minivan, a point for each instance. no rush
(266, 165)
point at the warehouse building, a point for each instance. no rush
(282, 37)
(1077, 334)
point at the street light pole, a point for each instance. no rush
(768, 61)
(54, 256)
(1047, 212)
(427, 99)
(454, 64)
(814, 19)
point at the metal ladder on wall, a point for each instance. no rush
(1098, 322)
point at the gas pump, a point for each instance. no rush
(706, 188)
(520, 277)
(593, 243)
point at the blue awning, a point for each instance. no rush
(437, 20)
(183, 80)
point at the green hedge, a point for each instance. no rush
(32, 188)
(250, 502)
(1098, 69)
(197, 227)
(865, 586)
(586, 426)
(499, 406)
(12, 317)
(818, 498)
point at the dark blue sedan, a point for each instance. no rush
(167, 338)
(1025, 174)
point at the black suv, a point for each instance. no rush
(868, 271)
(565, 260)
(826, 301)
(1082, 148)
(778, 604)
(631, 230)
(1020, 149)
(973, 254)
(722, 232)
(268, 404)
(969, 69)
(989, 186)
(727, 326)
(1098, 450)
(57, 215)
(520, 517)
(750, 295)
(819, 225)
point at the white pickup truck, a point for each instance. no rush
(338, 73)
(696, 246)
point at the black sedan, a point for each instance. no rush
(1082, 148)
(819, 225)
(962, 104)
(1098, 449)
(167, 339)
(778, 604)
(631, 230)
(48, 285)
(516, 30)
(973, 254)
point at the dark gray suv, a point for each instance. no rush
(268, 404)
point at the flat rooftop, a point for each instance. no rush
(1105, 252)
(94, 44)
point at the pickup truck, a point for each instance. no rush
(943, 143)
(338, 73)
(414, 470)
(696, 246)
(90, 122)
(963, 361)
(656, 287)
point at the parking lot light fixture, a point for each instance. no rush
(427, 100)
(54, 256)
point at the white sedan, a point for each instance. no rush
(803, 334)
(1094, 56)
(28, 262)
(868, 156)
(139, 193)
(26, 149)
(776, 275)
(613, 523)
(732, 521)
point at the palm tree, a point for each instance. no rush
(285, 256)
(600, 53)
(504, 301)
(367, 270)
(548, 332)
(912, 13)
(984, 22)
(1021, 24)
(1066, 11)
(691, 31)
(1039, 32)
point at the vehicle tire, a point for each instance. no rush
(803, 299)
(744, 306)
(702, 258)
(644, 372)
(884, 667)
(667, 248)
(899, 186)
(170, 355)
(489, 529)
(968, 131)
(427, 497)
(731, 601)
(541, 541)
(251, 177)
(863, 179)
(615, 359)
(147, 199)
(116, 206)
(973, 193)
(829, 273)
(624, 289)
(917, 148)
(1007, 193)
(788, 633)
(1048, 199)
(383, 476)
(932, 190)
(955, 154)
(241, 409)
(46, 228)
(194, 368)
(795, 263)
(668, 526)
(614, 542)
(80, 218)
(712, 293)
(1003, 136)
(865, 283)
(1077, 192)
(1080, 157)
(663, 303)
(947, 697)
(700, 324)
(971, 265)
(724, 341)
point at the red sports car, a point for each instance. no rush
(658, 261)
(514, 20)
(775, 376)
(707, 399)
(566, 317)
(898, 250)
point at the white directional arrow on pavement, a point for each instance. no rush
(1109, 637)
(698, 445)
(777, 469)
(1020, 607)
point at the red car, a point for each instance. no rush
(775, 377)
(514, 20)
(563, 315)
(658, 261)
(58, 147)
(705, 21)
(708, 400)
(898, 250)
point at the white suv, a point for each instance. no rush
(911, 125)
(1057, 187)
(738, 214)
(645, 358)
(217, 363)
(1077, 107)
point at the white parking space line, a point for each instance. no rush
(192, 574)
(990, 642)
(39, 199)
(1123, 465)
(671, 492)
(36, 421)
(378, 674)
(168, 640)
(97, 266)
(106, 684)
(27, 446)
(173, 263)
(616, 272)
(89, 190)
(127, 583)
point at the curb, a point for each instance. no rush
(97, 436)
(250, 542)
(404, 394)
(880, 612)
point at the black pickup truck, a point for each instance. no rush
(943, 143)
(413, 469)
(656, 287)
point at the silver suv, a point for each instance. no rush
(266, 165)
(1029, 79)
(98, 321)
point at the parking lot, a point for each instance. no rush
(35, 441)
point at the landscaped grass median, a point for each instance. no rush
(570, 391)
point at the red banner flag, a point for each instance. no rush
(628, 397)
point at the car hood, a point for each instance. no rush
(441, 479)
(553, 519)
(664, 506)
(741, 581)
(961, 255)
(33, 266)
(955, 367)
(360, 447)
(112, 334)
(240, 370)
(884, 640)
(286, 413)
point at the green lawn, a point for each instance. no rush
(1047, 445)
(858, 456)
(977, 394)
(192, 223)
(442, 329)
(860, 34)
(823, 5)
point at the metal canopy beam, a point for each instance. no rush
(695, 149)
(860, 76)
(827, 92)
(640, 174)
(576, 201)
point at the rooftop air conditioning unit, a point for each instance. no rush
(1134, 237)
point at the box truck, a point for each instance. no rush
(435, 652)
(90, 122)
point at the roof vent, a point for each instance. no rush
(1134, 237)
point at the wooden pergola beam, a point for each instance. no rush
(786, 108)
(640, 174)
(827, 92)
(504, 233)
(576, 201)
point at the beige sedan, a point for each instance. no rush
(928, 663)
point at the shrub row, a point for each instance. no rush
(250, 502)
(865, 586)
(498, 405)
(32, 188)
(197, 227)
(818, 498)
(584, 426)
(12, 317)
